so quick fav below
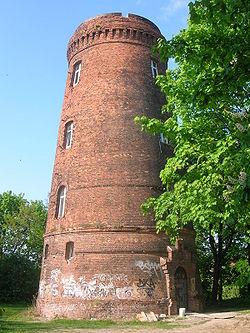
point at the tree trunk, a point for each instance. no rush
(218, 254)
(216, 277)
(220, 286)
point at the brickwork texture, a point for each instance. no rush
(118, 266)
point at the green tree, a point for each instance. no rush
(230, 274)
(9, 207)
(22, 224)
(207, 96)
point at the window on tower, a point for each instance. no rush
(46, 251)
(61, 202)
(154, 68)
(69, 250)
(76, 73)
(163, 140)
(68, 134)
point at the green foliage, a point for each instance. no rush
(229, 273)
(19, 278)
(22, 224)
(209, 92)
(231, 291)
(9, 208)
(243, 270)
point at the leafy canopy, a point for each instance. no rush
(22, 224)
(209, 92)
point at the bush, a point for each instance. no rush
(19, 278)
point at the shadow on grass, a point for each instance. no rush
(233, 304)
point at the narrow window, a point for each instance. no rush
(68, 134)
(69, 250)
(61, 201)
(154, 68)
(76, 75)
(46, 251)
(163, 140)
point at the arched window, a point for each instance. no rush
(163, 140)
(68, 134)
(154, 68)
(76, 73)
(69, 250)
(61, 201)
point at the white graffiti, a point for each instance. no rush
(52, 286)
(62, 310)
(55, 273)
(150, 267)
(41, 288)
(99, 286)
(124, 293)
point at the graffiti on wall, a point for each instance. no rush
(154, 272)
(150, 267)
(100, 286)
(147, 285)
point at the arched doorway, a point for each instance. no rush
(181, 288)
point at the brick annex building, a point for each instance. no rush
(101, 257)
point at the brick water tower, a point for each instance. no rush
(101, 257)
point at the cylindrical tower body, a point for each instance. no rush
(101, 256)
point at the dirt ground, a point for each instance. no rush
(222, 322)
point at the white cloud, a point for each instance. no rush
(173, 6)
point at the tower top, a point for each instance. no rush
(113, 27)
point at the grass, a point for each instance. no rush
(18, 318)
(233, 304)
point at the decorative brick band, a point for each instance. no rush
(109, 28)
(141, 229)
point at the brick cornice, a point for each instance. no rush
(113, 28)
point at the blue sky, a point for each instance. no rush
(33, 68)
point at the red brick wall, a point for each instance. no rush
(110, 169)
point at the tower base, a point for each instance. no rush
(101, 281)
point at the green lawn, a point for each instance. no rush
(18, 318)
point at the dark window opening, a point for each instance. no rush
(46, 251)
(69, 250)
